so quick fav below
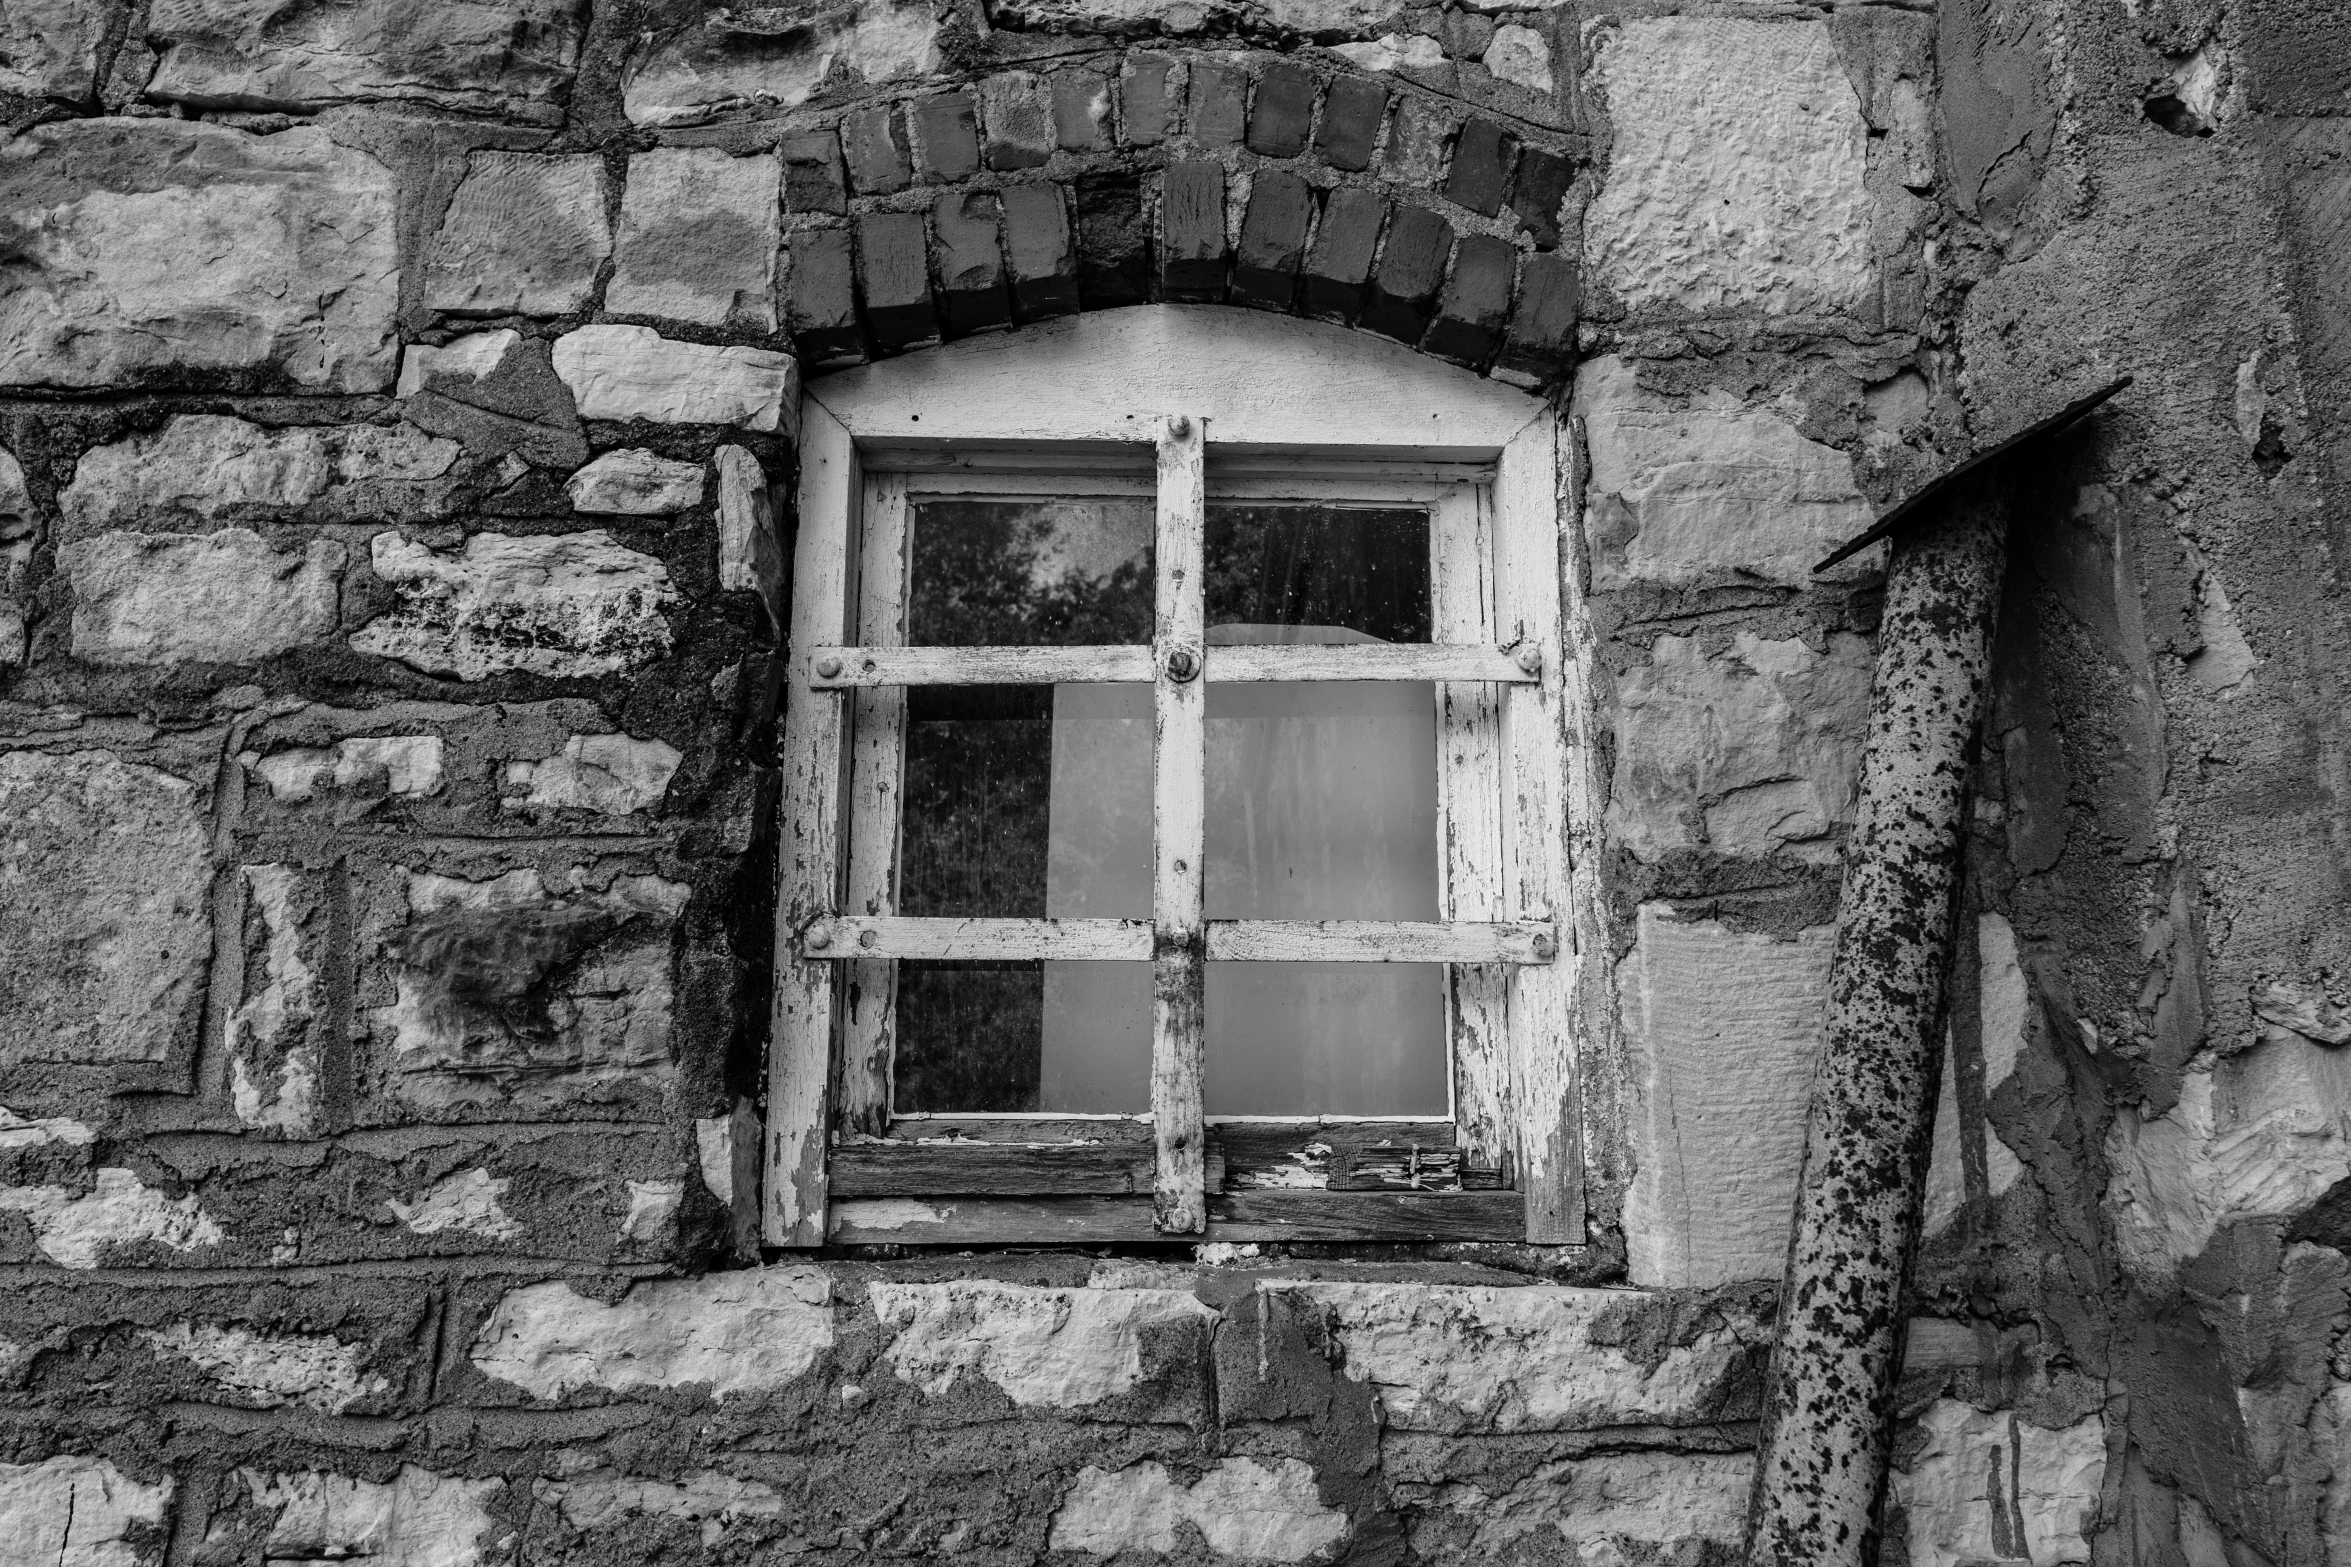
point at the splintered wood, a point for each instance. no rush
(1179, 814)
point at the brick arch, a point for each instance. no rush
(1284, 183)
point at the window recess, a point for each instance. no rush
(1172, 840)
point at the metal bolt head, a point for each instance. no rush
(1179, 427)
(1546, 945)
(1182, 664)
(1530, 657)
(828, 667)
(820, 936)
(868, 937)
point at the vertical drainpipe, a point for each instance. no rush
(1828, 1408)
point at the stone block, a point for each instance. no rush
(49, 48)
(210, 598)
(79, 1510)
(1475, 305)
(945, 132)
(1990, 1484)
(1217, 107)
(1522, 56)
(1192, 250)
(611, 775)
(523, 235)
(699, 70)
(1273, 240)
(1146, 109)
(970, 230)
(1753, 752)
(750, 550)
(704, 1502)
(821, 302)
(1352, 111)
(873, 141)
(1537, 192)
(1411, 269)
(1482, 160)
(1540, 342)
(567, 606)
(275, 1029)
(698, 232)
(1493, 1360)
(1664, 1506)
(498, 393)
(1114, 242)
(894, 279)
(1081, 109)
(733, 1334)
(1018, 112)
(1730, 192)
(201, 469)
(635, 483)
(814, 179)
(1724, 1028)
(414, 1518)
(119, 1221)
(1050, 1349)
(511, 58)
(1338, 264)
(1245, 1509)
(1281, 112)
(304, 298)
(633, 372)
(1709, 489)
(1419, 136)
(105, 910)
(1044, 261)
(520, 994)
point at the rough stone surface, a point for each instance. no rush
(523, 233)
(211, 598)
(105, 888)
(274, 1051)
(696, 73)
(1988, 1486)
(203, 468)
(1724, 1027)
(566, 605)
(635, 483)
(632, 372)
(467, 1201)
(415, 1519)
(1057, 1348)
(82, 1512)
(698, 239)
(613, 775)
(1621, 1505)
(513, 57)
(161, 251)
(1730, 190)
(732, 1333)
(49, 48)
(1245, 1509)
(271, 1370)
(119, 1212)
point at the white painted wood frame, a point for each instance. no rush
(1179, 827)
(1288, 409)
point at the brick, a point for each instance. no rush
(1044, 262)
(814, 180)
(971, 262)
(1018, 113)
(1081, 110)
(1476, 302)
(1540, 344)
(1220, 104)
(1536, 192)
(946, 134)
(894, 275)
(1418, 137)
(1114, 242)
(1191, 231)
(1282, 112)
(1351, 115)
(1481, 167)
(1144, 109)
(822, 299)
(1340, 262)
(873, 142)
(1412, 265)
(1273, 241)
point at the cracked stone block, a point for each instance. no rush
(49, 48)
(210, 598)
(498, 393)
(698, 235)
(700, 71)
(1754, 752)
(1730, 190)
(513, 58)
(207, 468)
(523, 234)
(633, 372)
(83, 1510)
(636, 483)
(567, 605)
(105, 889)
(748, 1332)
(152, 251)
(1724, 1027)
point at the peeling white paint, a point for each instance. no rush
(1246, 1509)
(80, 1512)
(416, 1519)
(1990, 1486)
(119, 1210)
(272, 1369)
(1060, 1348)
(468, 1200)
(745, 1332)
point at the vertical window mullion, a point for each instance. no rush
(877, 767)
(1179, 781)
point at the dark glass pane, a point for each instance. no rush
(967, 1036)
(1354, 568)
(1049, 573)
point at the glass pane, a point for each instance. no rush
(1356, 568)
(1030, 573)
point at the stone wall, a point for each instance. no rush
(397, 426)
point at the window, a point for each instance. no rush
(1173, 817)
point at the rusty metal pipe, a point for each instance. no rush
(1828, 1412)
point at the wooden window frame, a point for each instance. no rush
(1283, 409)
